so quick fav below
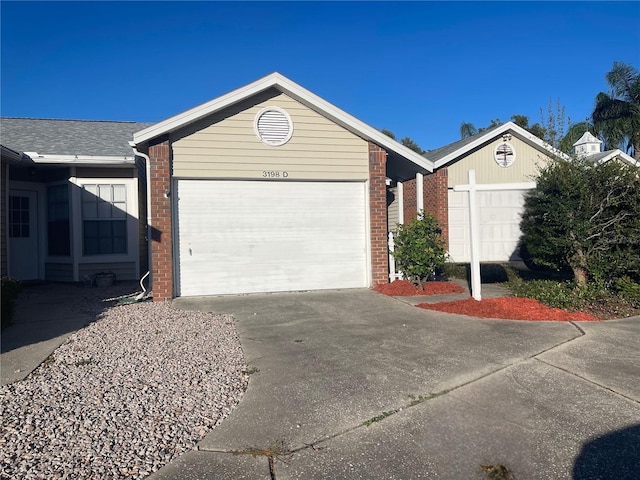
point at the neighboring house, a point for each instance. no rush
(270, 188)
(589, 146)
(506, 155)
(72, 200)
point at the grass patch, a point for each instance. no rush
(251, 371)
(497, 472)
(83, 362)
(378, 418)
(416, 399)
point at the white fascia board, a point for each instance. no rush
(519, 131)
(201, 111)
(617, 153)
(351, 123)
(93, 160)
(299, 93)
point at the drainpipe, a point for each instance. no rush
(147, 163)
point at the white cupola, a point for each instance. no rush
(587, 145)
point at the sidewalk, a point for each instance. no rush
(45, 316)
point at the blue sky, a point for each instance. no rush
(416, 68)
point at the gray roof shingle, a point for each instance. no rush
(438, 153)
(69, 137)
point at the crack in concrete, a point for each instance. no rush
(604, 387)
(315, 445)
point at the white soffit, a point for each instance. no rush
(283, 84)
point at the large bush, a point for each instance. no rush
(419, 248)
(585, 216)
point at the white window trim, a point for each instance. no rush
(131, 219)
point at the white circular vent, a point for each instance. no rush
(273, 126)
(505, 155)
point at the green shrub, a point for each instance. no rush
(419, 248)
(583, 215)
(9, 292)
(629, 290)
(568, 295)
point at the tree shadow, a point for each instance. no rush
(611, 456)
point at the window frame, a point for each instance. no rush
(100, 216)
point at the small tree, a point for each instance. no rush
(584, 216)
(419, 248)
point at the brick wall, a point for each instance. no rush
(409, 197)
(436, 199)
(161, 245)
(378, 212)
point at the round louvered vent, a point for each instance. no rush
(273, 126)
(504, 155)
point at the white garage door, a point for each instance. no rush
(500, 213)
(253, 236)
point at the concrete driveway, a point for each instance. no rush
(353, 384)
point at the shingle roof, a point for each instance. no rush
(438, 153)
(68, 137)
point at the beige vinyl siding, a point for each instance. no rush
(524, 169)
(123, 270)
(58, 272)
(393, 210)
(227, 147)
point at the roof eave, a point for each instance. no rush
(283, 84)
(521, 132)
(85, 160)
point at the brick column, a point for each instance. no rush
(161, 245)
(410, 203)
(436, 199)
(378, 214)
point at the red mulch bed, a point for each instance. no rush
(404, 288)
(512, 308)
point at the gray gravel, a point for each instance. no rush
(123, 396)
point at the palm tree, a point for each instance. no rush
(467, 130)
(616, 116)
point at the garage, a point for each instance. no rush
(499, 219)
(238, 236)
(268, 188)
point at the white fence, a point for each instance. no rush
(393, 275)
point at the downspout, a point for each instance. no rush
(147, 163)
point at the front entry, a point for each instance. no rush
(23, 235)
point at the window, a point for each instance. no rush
(104, 219)
(18, 216)
(58, 233)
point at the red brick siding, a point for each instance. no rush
(161, 245)
(409, 198)
(378, 214)
(436, 199)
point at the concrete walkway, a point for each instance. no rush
(353, 384)
(45, 316)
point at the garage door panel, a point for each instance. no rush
(248, 237)
(499, 219)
